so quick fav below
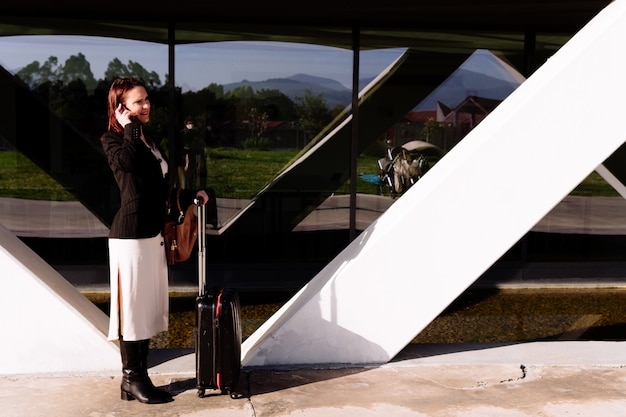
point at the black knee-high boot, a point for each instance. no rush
(144, 348)
(134, 383)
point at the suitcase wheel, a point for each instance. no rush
(201, 392)
(232, 394)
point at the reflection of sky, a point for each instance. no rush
(18, 51)
(199, 64)
(483, 74)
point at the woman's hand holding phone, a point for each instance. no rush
(123, 115)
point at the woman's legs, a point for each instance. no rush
(135, 381)
(132, 310)
(144, 347)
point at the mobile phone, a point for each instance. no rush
(131, 116)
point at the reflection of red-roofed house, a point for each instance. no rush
(482, 74)
(470, 111)
(465, 116)
(273, 124)
(420, 116)
(278, 132)
(281, 134)
(409, 127)
(444, 126)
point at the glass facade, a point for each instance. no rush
(266, 123)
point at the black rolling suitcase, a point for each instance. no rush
(218, 329)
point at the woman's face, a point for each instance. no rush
(136, 100)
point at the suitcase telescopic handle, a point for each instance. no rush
(201, 215)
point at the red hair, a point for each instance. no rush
(118, 90)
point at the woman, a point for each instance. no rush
(138, 268)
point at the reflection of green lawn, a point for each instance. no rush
(242, 173)
(233, 173)
(594, 185)
(21, 178)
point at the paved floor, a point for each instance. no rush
(511, 380)
(548, 379)
(587, 215)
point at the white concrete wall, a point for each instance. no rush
(47, 326)
(438, 238)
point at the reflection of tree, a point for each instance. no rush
(431, 128)
(313, 112)
(273, 103)
(35, 73)
(71, 90)
(76, 67)
(257, 123)
(134, 69)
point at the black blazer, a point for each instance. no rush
(143, 189)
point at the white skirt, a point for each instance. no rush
(139, 288)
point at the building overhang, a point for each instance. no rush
(321, 22)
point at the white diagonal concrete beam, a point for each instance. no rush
(47, 325)
(436, 240)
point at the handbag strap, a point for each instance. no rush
(180, 210)
(181, 213)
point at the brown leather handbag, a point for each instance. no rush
(180, 233)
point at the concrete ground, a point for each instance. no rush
(510, 380)
(552, 378)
